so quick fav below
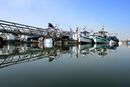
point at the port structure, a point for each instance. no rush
(21, 29)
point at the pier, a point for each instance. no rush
(20, 32)
(126, 42)
(20, 29)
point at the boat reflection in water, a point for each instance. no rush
(100, 49)
(103, 50)
(21, 53)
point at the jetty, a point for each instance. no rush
(126, 42)
(20, 29)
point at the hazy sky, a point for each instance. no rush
(113, 14)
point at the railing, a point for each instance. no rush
(21, 29)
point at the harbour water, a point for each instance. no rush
(33, 65)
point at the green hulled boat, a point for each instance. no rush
(100, 40)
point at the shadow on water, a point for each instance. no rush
(11, 54)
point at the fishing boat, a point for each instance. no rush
(113, 39)
(84, 38)
(100, 40)
(100, 37)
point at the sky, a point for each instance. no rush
(114, 15)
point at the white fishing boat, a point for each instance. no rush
(84, 37)
(81, 36)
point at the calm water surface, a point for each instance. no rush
(69, 66)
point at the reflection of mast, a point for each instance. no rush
(75, 50)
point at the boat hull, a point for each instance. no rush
(111, 42)
(86, 40)
(100, 40)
